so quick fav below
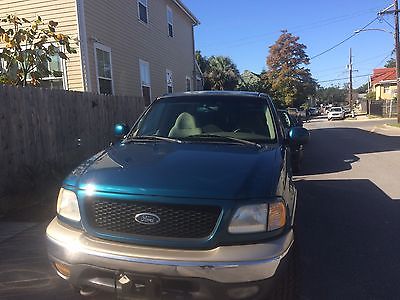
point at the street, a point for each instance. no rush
(347, 223)
(348, 212)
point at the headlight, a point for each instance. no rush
(258, 218)
(67, 205)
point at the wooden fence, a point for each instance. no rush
(383, 108)
(45, 130)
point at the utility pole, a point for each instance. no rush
(351, 83)
(395, 12)
(396, 38)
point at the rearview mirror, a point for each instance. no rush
(299, 135)
(121, 130)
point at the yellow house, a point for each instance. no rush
(126, 47)
(383, 83)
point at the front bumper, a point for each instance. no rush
(89, 259)
(336, 117)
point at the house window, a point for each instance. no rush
(170, 21)
(170, 82)
(386, 89)
(143, 11)
(145, 81)
(188, 84)
(56, 78)
(104, 69)
(199, 83)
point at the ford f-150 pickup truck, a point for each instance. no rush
(195, 201)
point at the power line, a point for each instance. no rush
(260, 38)
(330, 71)
(344, 78)
(384, 20)
(301, 27)
(383, 60)
(342, 42)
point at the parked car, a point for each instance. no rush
(296, 150)
(336, 113)
(314, 111)
(293, 111)
(195, 201)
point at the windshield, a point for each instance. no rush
(209, 117)
(336, 109)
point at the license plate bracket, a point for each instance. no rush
(137, 286)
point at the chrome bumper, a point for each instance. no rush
(225, 264)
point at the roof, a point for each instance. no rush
(383, 74)
(214, 93)
(187, 12)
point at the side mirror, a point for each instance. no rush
(299, 135)
(120, 130)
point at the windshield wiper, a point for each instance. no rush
(151, 138)
(224, 138)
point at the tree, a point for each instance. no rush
(201, 61)
(291, 80)
(249, 81)
(28, 47)
(371, 95)
(332, 94)
(221, 74)
(252, 82)
(391, 63)
(363, 89)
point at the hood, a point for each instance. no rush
(194, 170)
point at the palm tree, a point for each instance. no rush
(221, 73)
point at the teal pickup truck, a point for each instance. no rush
(195, 201)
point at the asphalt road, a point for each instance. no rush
(348, 211)
(347, 226)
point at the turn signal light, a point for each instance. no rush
(63, 269)
(276, 216)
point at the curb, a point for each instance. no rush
(391, 127)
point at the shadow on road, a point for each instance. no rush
(339, 147)
(348, 238)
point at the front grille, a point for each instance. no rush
(176, 221)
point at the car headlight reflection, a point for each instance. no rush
(67, 205)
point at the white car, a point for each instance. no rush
(336, 113)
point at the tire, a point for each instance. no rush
(286, 288)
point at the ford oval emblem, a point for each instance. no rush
(147, 219)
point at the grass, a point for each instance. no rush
(374, 117)
(394, 125)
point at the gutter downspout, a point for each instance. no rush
(83, 44)
(194, 62)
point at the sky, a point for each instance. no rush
(244, 30)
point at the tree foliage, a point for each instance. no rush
(220, 74)
(253, 82)
(28, 47)
(201, 61)
(332, 94)
(391, 63)
(363, 89)
(291, 80)
(371, 95)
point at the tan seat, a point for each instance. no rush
(185, 125)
